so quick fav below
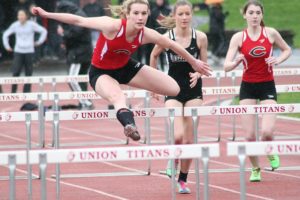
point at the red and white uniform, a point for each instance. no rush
(255, 52)
(115, 53)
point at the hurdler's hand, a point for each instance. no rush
(39, 11)
(202, 67)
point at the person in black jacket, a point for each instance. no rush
(94, 9)
(78, 44)
(217, 29)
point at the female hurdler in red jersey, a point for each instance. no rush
(255, 46)
(112, 64)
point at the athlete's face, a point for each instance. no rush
(183, 16)
(138, 15)
(253, 15)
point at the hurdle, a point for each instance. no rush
(243, 149)
(72, 156)
(194, 112)
(39, 97)
(26, 117)
(57, 116)
(58, 96)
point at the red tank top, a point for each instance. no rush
(115, 53)
(255, 52)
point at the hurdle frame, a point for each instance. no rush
(243, 149)
(57, 156)
(56, 116)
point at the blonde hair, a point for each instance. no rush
(124, 9)
(169, 22)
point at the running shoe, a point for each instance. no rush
(169, 168)
(182, 188)
(255, 175)
(274, 161)
(130, 130)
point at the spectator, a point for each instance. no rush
(77, 41)
(217, 29)
(24, 31)
(94, 9)
(160, 8)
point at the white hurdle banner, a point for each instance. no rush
(243, 109)
(93, 95)
(43, 79)
(243, 149)
(88, 155)
(234, 90)
(235, 110)
(111, 114)
(85, 78)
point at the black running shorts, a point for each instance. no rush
(122, 75)
(186, 93)
(261, 91)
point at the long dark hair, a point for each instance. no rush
(256, 3)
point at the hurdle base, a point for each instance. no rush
(91, 175)
(5, 178)
(288, 168)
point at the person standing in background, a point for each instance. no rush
(24, 31)
(94, 9)
(217, 30)
(189, 81)
(253, 47)
(78, 44)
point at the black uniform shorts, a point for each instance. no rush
(186, 93)
(122, 75)
(261, 91)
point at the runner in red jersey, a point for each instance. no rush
(254, 46)
(112, 64)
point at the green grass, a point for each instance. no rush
(283, 98)
(282, 15)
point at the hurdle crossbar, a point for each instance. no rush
(161, 152)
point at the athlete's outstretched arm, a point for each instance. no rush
(151, 36)
(103, 23)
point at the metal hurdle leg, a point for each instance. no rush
(205, 158)
(28, 147)
(233, 117)
(41, 121)
(43, 167)
(195, 133)
(242, 158)
(29, 168)
(218, 103)
(12, 176)
(171, 141)
(56, 146)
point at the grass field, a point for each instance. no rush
(282, 15)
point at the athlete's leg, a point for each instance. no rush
(178, 132)
(109, 89)
(248, 123)
(267, 128)
(268, 122)
(188, 136)
(156, 81)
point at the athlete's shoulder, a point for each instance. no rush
(201, 34)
